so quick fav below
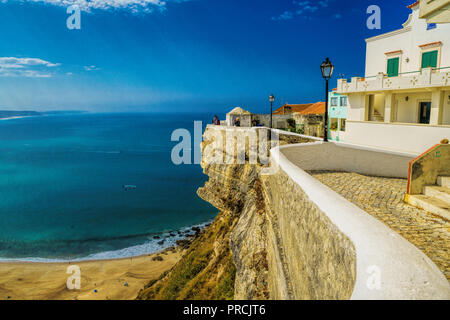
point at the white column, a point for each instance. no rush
(437, 107)
(366, 109)
(389, 107)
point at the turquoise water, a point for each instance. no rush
(61, 186)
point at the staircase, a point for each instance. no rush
(435, 199)
(376, 116)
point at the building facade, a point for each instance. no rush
(403, 102)
(301, 118)
(337, 115)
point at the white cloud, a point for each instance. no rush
(287, 15)
(25, 67)
(89, 5)
(12, 62)
(307, 8)
(324, 3)
(91, 68)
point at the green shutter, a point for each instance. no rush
(429, 59)
(392, 67)
(425, 60)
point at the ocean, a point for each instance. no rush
(62, 179)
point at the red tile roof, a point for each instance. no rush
(316, 108)
(413, 5)
(303, 109)
(294, 108)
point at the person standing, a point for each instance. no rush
(216, 120)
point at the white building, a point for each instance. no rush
(435, 11)
(403, 102)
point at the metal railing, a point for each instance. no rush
(403, 73)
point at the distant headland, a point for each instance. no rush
(15, 114)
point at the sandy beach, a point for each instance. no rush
(100, 280)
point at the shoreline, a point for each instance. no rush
(165, 241)
(104, 279)
(115, 279)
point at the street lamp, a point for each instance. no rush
(327, 71)
(271, 100)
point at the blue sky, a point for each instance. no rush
(180, 55)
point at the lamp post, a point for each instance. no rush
(271, 100)
(327, 71)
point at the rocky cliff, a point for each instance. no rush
(283, 246)
(267, 242)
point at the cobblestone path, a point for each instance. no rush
(383, 198)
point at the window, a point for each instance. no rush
(392, 67)
(333, 124)
(334, 102)
(343, 101)
(429, 59)
(342, 124)
(431, 26)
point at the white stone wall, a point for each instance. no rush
(356, 107)
(412, 138)
(407, 273)
(279, 121)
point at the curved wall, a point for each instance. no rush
(387, 265)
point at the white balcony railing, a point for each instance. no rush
(428, 77)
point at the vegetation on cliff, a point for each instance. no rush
(205, 272)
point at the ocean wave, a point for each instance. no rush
(127, 151)
(99, 151)
(149, 247)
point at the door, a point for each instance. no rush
(425, 110)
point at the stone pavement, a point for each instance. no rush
(383, 199)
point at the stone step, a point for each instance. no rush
(441, 193)
(444, 181)
(432, 205)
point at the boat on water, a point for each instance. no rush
(129, 187)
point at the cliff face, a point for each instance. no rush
(283, 247)
(268, 240)
(232, 188)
